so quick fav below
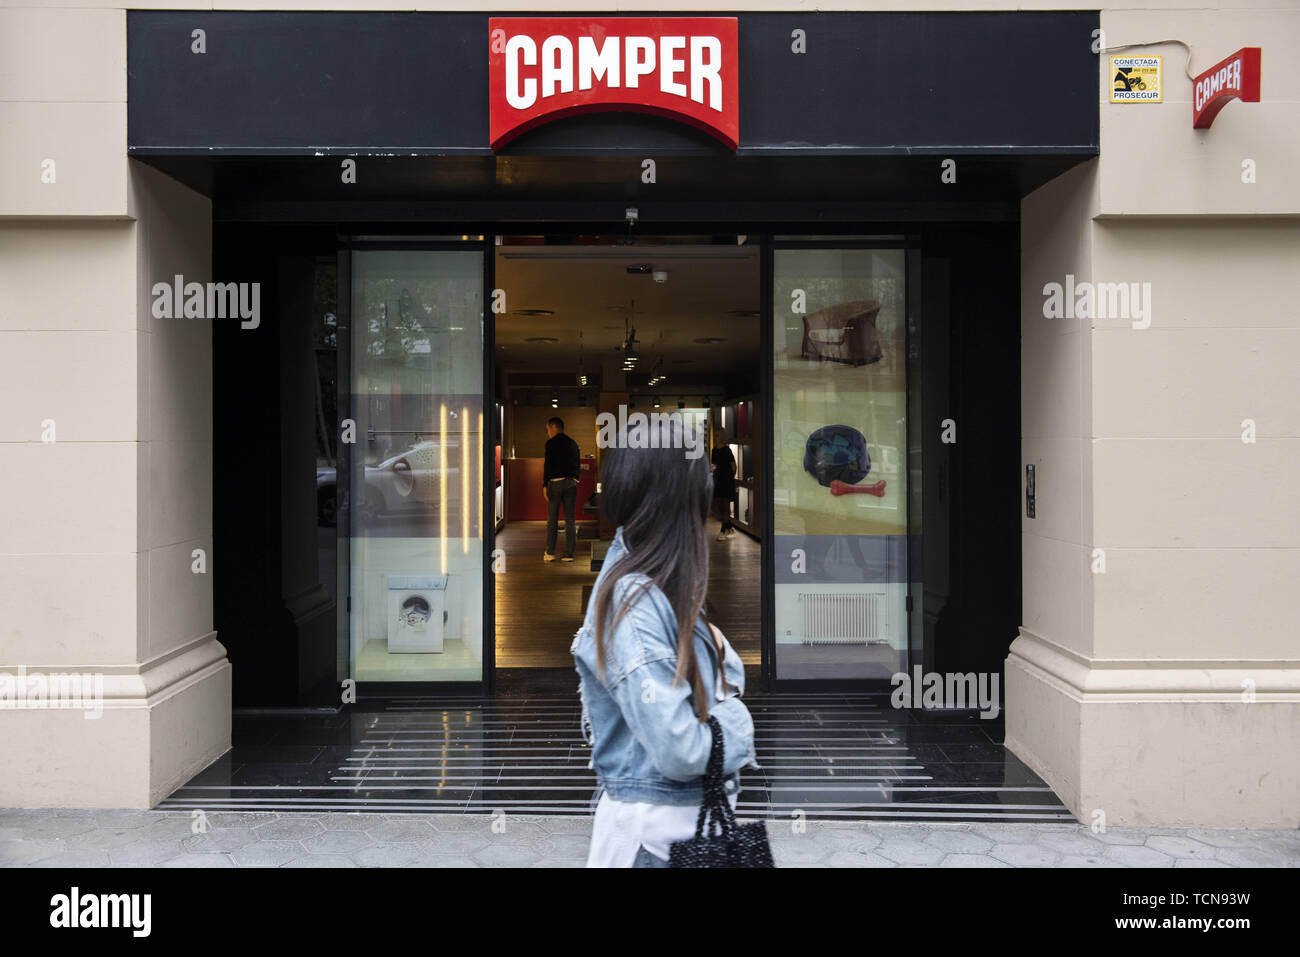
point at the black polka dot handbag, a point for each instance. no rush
(719, 841)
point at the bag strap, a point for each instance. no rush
(715, 808)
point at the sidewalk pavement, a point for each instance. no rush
(77, 838)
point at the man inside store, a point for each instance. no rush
(560, 475)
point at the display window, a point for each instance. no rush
(841, 484)
(416, 466)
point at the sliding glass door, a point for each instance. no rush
(414, 487)
(840, 466)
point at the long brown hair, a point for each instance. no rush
(660, 497)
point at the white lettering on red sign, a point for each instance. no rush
(1227, 78)
(601, 65)
(683, 67)
(1235, 77)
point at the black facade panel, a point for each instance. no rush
(416, 83)
(919, 82)
(307, 82)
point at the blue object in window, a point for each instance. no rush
(837, 452)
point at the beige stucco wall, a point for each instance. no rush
(98, 526)
(1154, 164)
(1124, 689)
(1165, 689)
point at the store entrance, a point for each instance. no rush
(599, 324)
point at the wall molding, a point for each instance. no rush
(1093, 680)
(142, 685)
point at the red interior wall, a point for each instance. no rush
(524, 501)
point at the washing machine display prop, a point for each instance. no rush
(417, 613)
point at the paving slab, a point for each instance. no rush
(88, 838)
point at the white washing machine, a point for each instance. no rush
(417, 615)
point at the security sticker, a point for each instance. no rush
(1135, 79)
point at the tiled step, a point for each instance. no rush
(822, 756)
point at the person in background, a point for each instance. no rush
(724, 485)
(560, 473)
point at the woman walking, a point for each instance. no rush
(652, 668)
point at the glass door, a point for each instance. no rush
(840, 461)
(415, 441)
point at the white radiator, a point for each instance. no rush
(831, 618)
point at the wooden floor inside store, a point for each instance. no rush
(539, 605)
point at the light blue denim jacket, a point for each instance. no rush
(647, 743)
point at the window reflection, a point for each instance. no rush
(416, 475)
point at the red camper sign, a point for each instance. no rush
(1235, 78)
(542, 68)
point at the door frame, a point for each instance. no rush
(703, 230)
(769, 237)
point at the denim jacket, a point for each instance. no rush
(647, 743)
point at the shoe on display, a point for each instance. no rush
(547, 557)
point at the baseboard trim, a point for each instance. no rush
(141, 685)
(1123, 679)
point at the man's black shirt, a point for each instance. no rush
(563, 459)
